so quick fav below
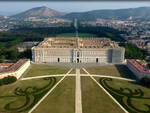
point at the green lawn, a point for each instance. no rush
(73, 35)
(73, 71)
(95, 100)
(82, 71)
(61, 100)
(39, 70)
(21, 96)
(133, 97)
(112, 70)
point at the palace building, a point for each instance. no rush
(78, 50)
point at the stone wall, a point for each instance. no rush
(118, 55)
(89, 55)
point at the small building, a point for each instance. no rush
(78, 50)
(139, 70)
(17, 69)
(5, 65)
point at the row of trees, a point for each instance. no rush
(111, 33)
(11, 38)
(7, 80)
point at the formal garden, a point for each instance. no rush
(21, 96)
(131, 95)
(61, 100)
(56, 92)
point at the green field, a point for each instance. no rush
(73, 71)
(94, 100)
(133, 97)
(74, 35)
(21, 96)
(82, 71)
(114, 70)
(39, 70)
(61, 100)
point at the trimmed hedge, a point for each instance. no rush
(127, 96)
(8, 80)
(29, 95)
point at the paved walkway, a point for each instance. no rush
(36, 105)
(106, 76)
(61, 75)
(44, 76)
(78, 99)
(75, 65)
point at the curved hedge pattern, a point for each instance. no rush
(31, 95)
(126, 96)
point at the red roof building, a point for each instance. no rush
(15, 66)
(139, 70)
(16, 69)
(5, 64)
(140, 67)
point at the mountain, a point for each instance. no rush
(142, 13)
(39, 12)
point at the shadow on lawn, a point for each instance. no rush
(127, 96)
(125, 72)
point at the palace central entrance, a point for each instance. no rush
(78, 60)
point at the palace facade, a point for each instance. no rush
(78, 50)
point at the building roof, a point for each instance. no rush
(140, 67)
(14, 67)
(5, 64)
(73, 42)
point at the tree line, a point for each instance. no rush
(9, 39)
(13, 55)
(133, 52)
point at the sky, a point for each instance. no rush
(9, 8)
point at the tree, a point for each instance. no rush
(2, 59)
(26, 54)
(13, 54)
(7, 80)
(133, 52)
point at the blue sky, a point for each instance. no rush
(16, 7)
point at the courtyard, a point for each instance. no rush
(66, 89)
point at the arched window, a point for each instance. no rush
(96, 60)
(77, 60)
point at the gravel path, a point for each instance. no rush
(78, 99)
